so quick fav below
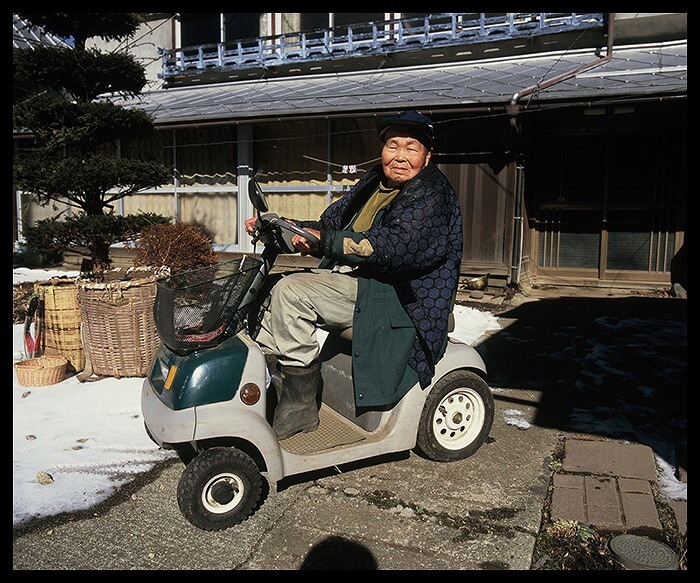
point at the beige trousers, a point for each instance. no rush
(300, 303)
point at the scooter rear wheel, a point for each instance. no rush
(219, 488)
(456, 418)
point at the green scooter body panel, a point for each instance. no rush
(203, 377)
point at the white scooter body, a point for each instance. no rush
(341, 437)
(214, 406)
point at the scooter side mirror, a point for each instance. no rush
(256, 196)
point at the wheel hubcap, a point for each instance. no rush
(222, 493)
(458, 419)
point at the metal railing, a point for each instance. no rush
(371, 38)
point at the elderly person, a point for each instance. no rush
(390, 253)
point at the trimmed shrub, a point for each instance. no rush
(48, 239)
(179, 246)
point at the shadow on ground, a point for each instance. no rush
(610, 367)
(605, 367)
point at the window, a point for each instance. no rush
(313, 21)
(633, 169)
(242, 25)
(199, 28)
(606, 190)
(569, 239)
(350, 18)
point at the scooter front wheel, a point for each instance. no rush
(456, 418)
(219, 488)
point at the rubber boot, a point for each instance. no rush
(297, 409)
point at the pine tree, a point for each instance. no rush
(62, 100)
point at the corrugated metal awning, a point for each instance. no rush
(633, 71)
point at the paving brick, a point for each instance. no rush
(640, 510)
(567, 504)
(568, 481)
(680, 508)
(607, 517)
(609, 486)
(633, 485)
(610, 458)
(601, 491)
(602, 503)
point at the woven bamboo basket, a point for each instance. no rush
(41, 371)
(61, 321)
(119, 330)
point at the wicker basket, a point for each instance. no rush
(42, 371)
(119, 331)
(61, 321)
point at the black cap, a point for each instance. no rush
(419, 123)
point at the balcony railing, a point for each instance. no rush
(435, 30)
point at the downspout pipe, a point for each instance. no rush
(513, 108)
(518, 95)
(518, 226)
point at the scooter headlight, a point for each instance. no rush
(250, 393)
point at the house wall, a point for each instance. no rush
(487, 201)
(606, 192)
(158, 32)
(633, 27)
(304, 165)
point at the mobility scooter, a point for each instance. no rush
(210, 395)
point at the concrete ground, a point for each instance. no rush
(610, 479)
(405, 512)
(401, 512)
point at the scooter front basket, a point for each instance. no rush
(193, 309)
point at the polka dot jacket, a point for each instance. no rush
(415, 245)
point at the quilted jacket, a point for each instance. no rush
(416, 249)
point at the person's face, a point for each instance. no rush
(403, 156)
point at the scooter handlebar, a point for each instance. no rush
(273, 230)
(310, 237)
